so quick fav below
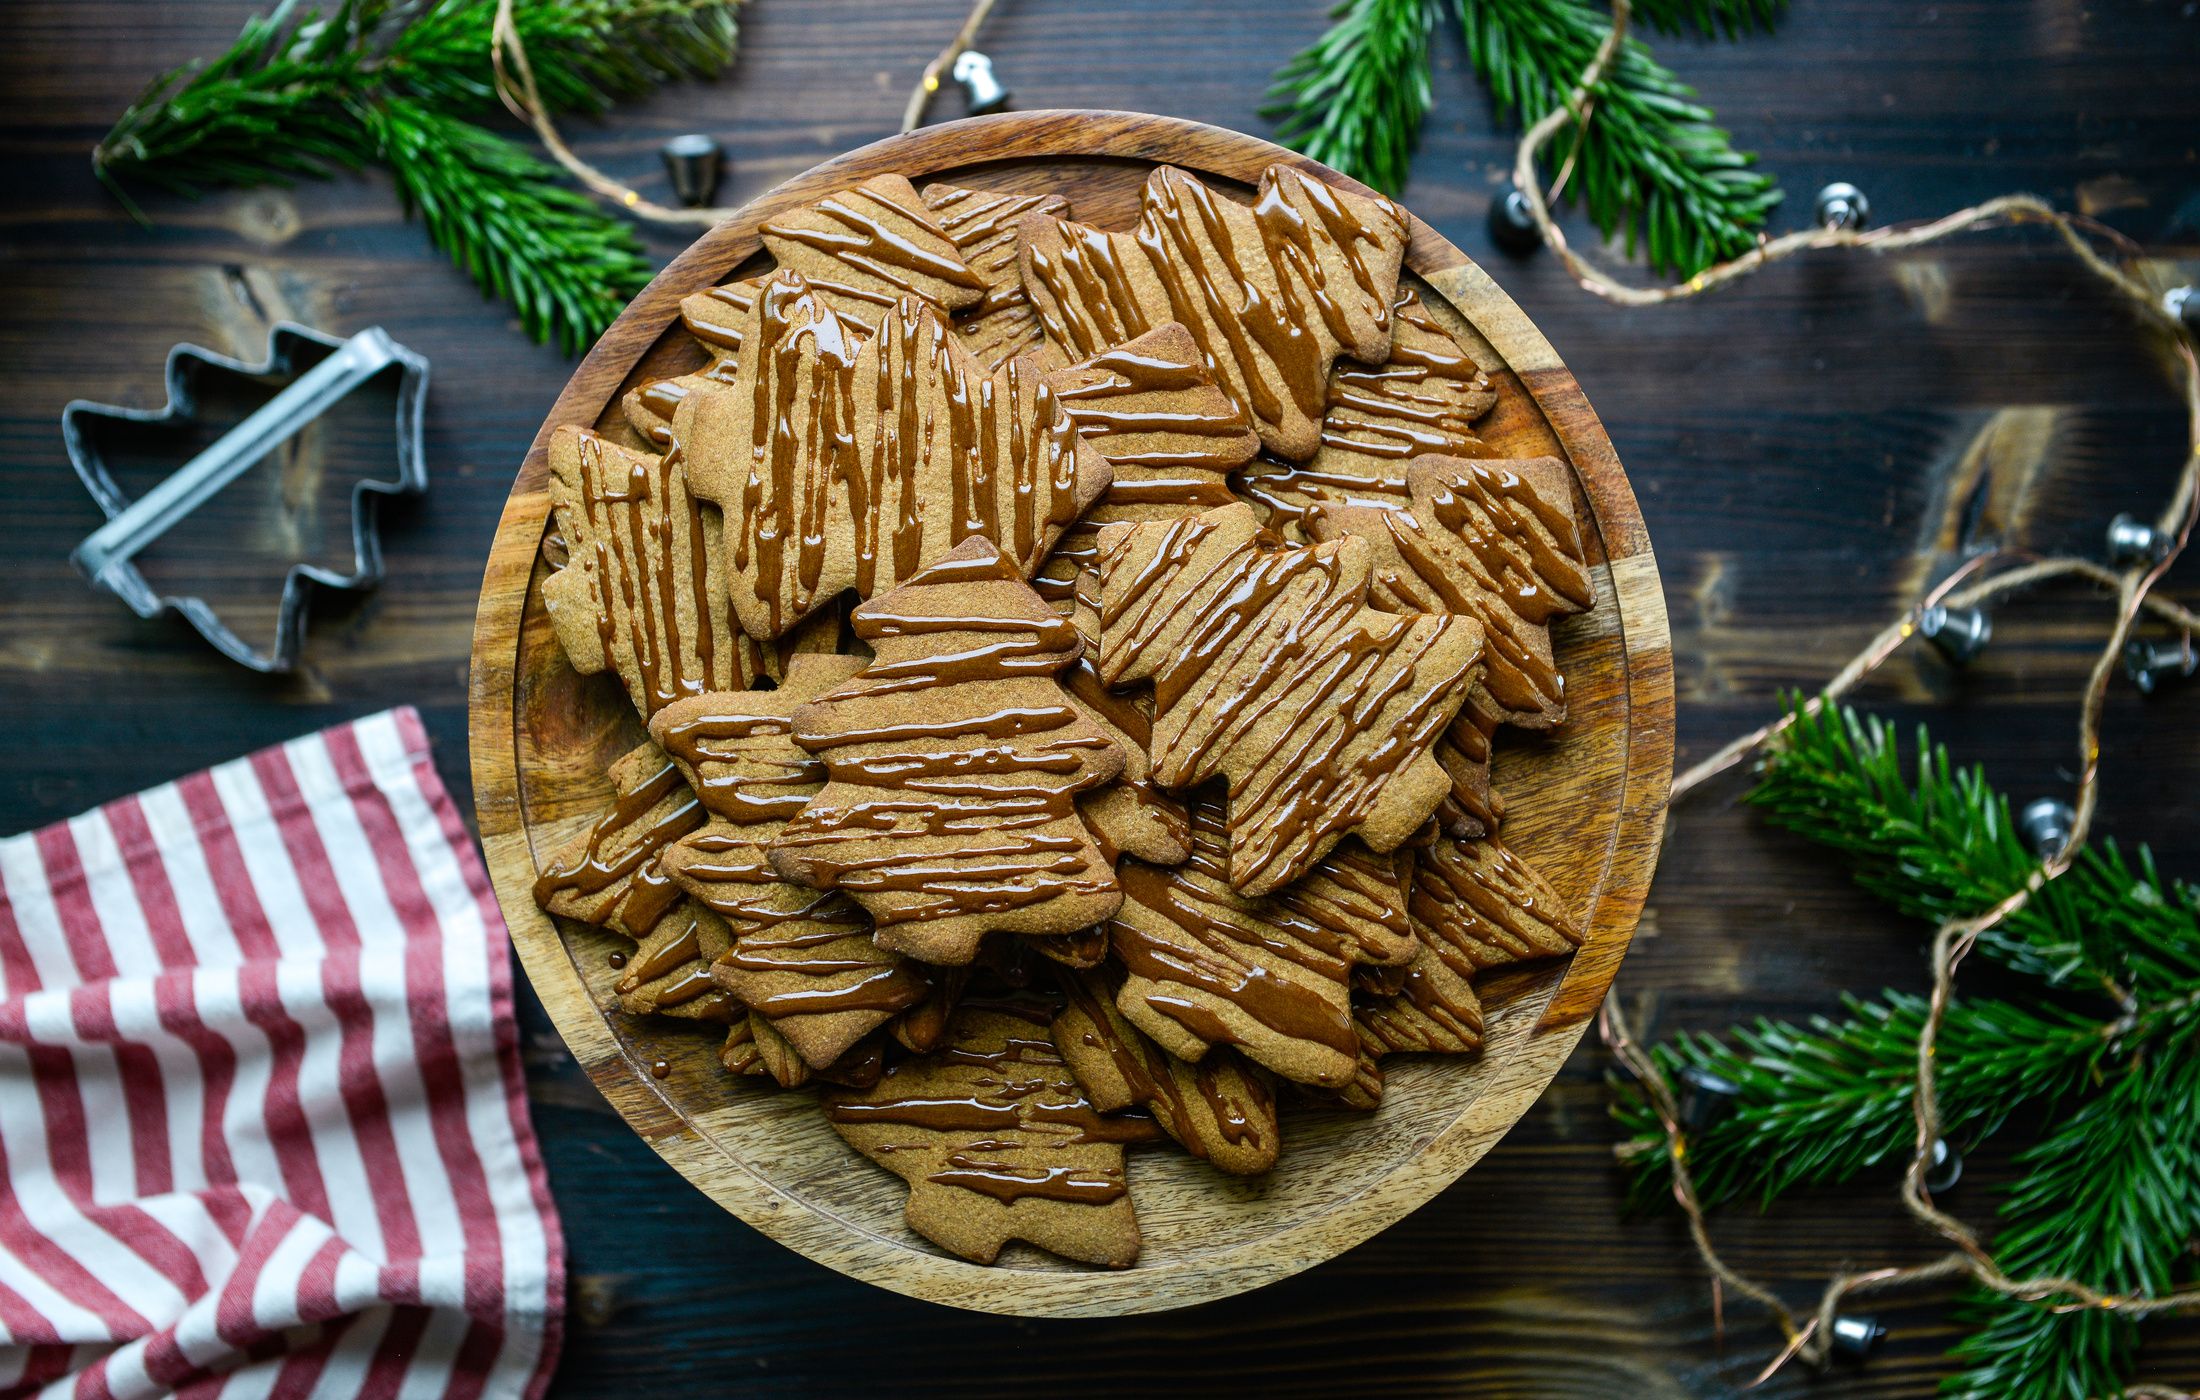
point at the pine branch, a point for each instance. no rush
(2111, 1197)
(1650, 166)
(1948, 847)
(1727, 17)
(1824, 1102)
(1355, 99)
(384, 81)
(502, 216)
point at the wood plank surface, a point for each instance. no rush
(1803, 446)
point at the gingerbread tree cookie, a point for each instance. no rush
(1170, 437)
(1492, 540)
(956, 761)
(1481, 906)
(1273, 292)
(1270, 670)
(874, 245)
(1208, 966)
(996, 329)
(1131, 816)
(1423, 399)
(1219, 1110)
(643, 591)
(848, 463)
(670, 973)
(982, 225)
(998, 1143)
(610, 873)
(1433, 1011)
(801, 958)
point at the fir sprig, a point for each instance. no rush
(400, 84)
(2108, 1054)
(1649, 166)
(1825, 1101)
(1356, 99)
(2111, 1196)
(1941, 844)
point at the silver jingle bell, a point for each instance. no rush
(693, 163)
(1512, 223)
(982, 92)
(2149, 664)
(2183, 304)
(1959, 634)
(2133, 541)
(1704, 1098)
(2046, 824)
(1842, 205)
(1946, 1169)
(1855, 1338)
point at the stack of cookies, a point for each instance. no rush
(1071, 660)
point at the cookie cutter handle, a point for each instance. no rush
(268, 427)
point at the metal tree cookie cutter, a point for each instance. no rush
(106, 558)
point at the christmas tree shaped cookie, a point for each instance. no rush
(802, 959)
(669, 974)
(1271, 976)
(1270, 670)
(843, 462)
(998, 1143)
(1131, 816)
(1432, 1011)
(1219, 1110)
(861, 250)
(1423, 399)
(999, 327)
(1170, 436)
(643, 590)
(1272, 293)
(1492, 540)
(872, 246)
(610, 873)
(982, 225)
(1480, 906)
(956, 761)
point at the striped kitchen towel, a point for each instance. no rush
(263, 1130)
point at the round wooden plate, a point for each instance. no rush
(1585, 807)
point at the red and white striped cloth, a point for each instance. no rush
(261, 1110)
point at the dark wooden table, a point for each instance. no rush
(1805, 446)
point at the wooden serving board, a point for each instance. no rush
(1585, 806)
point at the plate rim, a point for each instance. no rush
(1645, 779)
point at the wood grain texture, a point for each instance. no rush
(1803, 446)
(1588, 806)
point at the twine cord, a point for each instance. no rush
(1812, 1339)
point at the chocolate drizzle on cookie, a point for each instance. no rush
(1170, 435)
(956, 760)
(1217, 1109)
(1270, 670)
(1422, 399)
(642, 592)
(872, 246)
(1209, 966)
(1271, 294)
(997, 1143)
(802, 959)
(609, 874)
(850, 463)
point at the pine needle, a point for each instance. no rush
(2108, 1053)
(399, 84)
(1356, 98)
(1650, 168)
